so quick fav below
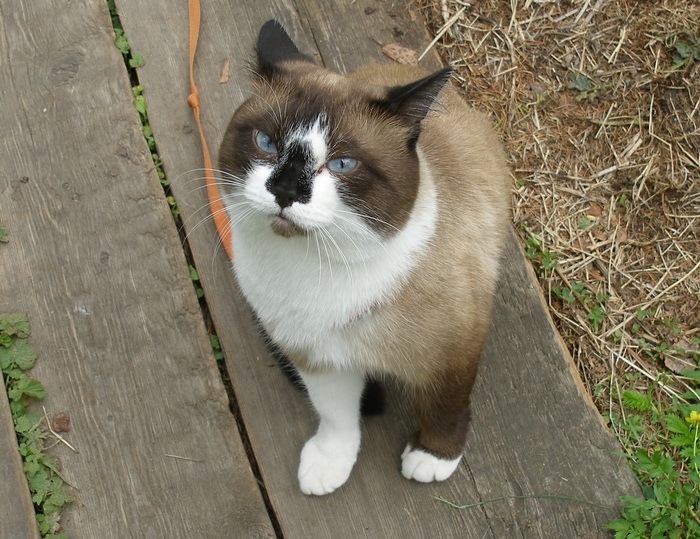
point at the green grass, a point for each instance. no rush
(47, 489)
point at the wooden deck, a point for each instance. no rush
(96, 262)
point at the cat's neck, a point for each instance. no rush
(331, 277)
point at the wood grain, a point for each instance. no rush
(95, 260)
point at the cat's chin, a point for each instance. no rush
(286, 228)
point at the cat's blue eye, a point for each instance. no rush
(264, 142)
(342, 164)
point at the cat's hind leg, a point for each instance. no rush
(329, 456)
(442, 409)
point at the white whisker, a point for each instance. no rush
(371, 218)
(357, 248)
(341, 255)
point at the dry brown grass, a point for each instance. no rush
(602, 126)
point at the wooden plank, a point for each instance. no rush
(534, 433)
(17, 518)
(95, 260)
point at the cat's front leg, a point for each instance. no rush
(328, 457)
(442, 407)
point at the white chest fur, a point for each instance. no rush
(307, 290)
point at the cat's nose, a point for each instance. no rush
(291, 184)
(284, 196)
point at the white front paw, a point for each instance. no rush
(424, 467)
(324, 469)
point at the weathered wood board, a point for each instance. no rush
(95, 261)
(534, 432)
(17, 517)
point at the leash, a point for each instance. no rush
(215, 205)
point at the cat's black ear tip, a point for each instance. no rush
(273, 33)
(271, 27)
(274, 47)
(443, 74)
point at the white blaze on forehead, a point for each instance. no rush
(314, 139)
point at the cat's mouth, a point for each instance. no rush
(282, 226)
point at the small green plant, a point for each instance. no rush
(140, 106)
(194, 276)
(216, 347)
(46, 487)
(596, 311)
(586, 89)
(542, 260)
(584, 223)
(594, 304)
(669, 472)
(687, 50)
(3, 235)
(134, 60)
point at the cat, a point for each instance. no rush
(368, 214)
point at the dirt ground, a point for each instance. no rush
(598, 104)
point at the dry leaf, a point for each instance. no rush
(621, 235)
(538, 89)
(223, 79)
(679, 364)
(400, 54)
(595, 210)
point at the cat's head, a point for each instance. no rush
(314, 150)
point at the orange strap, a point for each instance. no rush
(215, 206)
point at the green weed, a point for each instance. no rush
(140, 106)
(663, 440)
(46, 487)
(593, 304)
(216, 347)
(134, 60)
(194, 276)
(543, 261)
(586, 89)
(686, 50)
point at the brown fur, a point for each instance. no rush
(432, 334)
(448, 303)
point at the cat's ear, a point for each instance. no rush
(413, 101)
(274, 47)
